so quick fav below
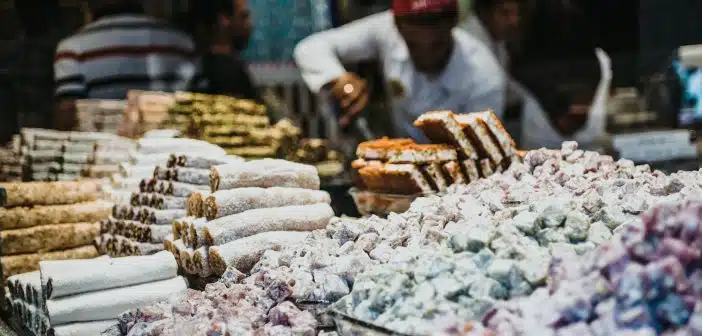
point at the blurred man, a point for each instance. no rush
(427, 63)
(222, 29)
(122, 50)
(495, 22)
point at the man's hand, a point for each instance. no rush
(352, 93)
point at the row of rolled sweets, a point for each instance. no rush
(264, 173)
(24, 217)
(51, 193)
(289, 218)
(169, 188)
(199, 161)
(23, 263)
(136, 171)
(62, 278)
(48, 237)
(147, 215)
(182, 174)
(229, 202)
(120, 246)
(244, 253)
(176, 145)
(126, 212)
(143, 233)
(107, 304)
(158, 201)
(161, 217)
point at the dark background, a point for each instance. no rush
(556, 49)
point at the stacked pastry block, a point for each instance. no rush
(400, 166)
(251, 207)
(49, 221)
(84, 297)
(484, 146)
(100, 115)
(10, 163)
(241, 126)
(54, 155)
(141, 226)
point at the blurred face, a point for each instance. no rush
(238, 26)
(429, 39)
(241, 24)
(503, 20)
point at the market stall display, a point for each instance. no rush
(253, 206)
(55, 155)
(647, 279)
(391, 173)
(141, 222)
(438, 267)
(49, 220)
(83, 297)
(241, 126)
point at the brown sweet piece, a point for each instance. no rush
(477, 130)
(405, 179)
(453, 169)
(24, 217)
(374, 149)
(442, 127)
(48, 237)
(497, 129)
(51, 193)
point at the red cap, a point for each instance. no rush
(409, 7)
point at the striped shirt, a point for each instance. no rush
(115, 54)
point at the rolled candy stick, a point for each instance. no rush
(248, 223)
(228, 202)
(264, 173)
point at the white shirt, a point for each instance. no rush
(475, 28)
(115, 54)
(536, 128)
(472, 80)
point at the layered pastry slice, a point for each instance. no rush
(471, 169)
(477, 130)
(442, 127)
(456, 175)
(435, 176)
(405, 179)
(509, 147)
(378, 149)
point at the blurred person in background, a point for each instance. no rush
(497, 23)
(427, 63)
(122, 49)
(221, 30)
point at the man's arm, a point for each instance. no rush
(486, 82)
(320, 55)
(69, 85)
